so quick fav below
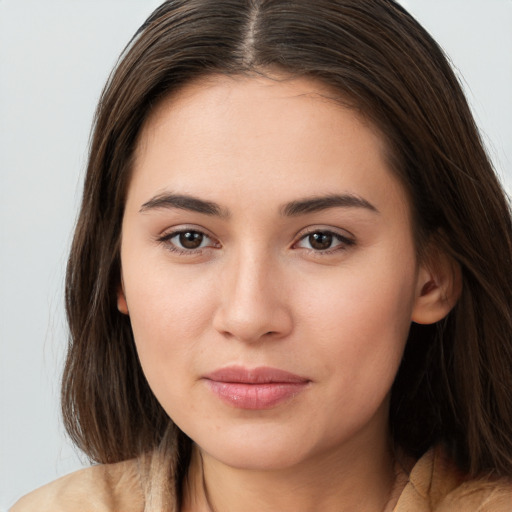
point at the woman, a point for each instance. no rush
(289, 287)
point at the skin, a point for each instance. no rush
(258, 293)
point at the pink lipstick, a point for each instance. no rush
(258, 388)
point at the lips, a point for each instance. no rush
(258, 388)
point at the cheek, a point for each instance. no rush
(361, 323)
(357, 332)
(169, 313)
(168, 319)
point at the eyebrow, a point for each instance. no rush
(316, 204)
(184, 202)
(291, 209)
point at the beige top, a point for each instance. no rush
(434, 485)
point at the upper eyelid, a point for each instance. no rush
(321, 229)
(341, 239)
(169, 232)
(167, 235)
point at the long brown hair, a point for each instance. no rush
(455, 383)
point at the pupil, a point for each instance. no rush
(320, 241)
(191, 239)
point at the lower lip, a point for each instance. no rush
(256, 396)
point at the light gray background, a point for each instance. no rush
(54, 58)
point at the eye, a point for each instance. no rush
(324, 241)
(187, 241)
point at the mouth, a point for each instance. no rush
(255, 389)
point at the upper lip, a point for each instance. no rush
(260, 375)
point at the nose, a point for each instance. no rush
(252, 302)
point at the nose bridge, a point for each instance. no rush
(251, 304)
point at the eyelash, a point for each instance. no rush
(344, 242)
(166, 240)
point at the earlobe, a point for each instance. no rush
(439, 287)
(122, 305)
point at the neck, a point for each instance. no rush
(340, 481)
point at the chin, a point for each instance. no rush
(257, 447)
(257, 458)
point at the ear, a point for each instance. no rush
(122, 305)
(438, 288)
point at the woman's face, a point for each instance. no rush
(268, 270)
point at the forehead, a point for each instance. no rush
(274, 137)
(249, 103)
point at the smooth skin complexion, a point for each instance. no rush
(270, 276)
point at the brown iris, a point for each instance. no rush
(320, 241)
(191, 239)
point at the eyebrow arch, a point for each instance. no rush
(316, 204)
(184, 202)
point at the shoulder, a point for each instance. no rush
(102, 488)
(436, 485)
